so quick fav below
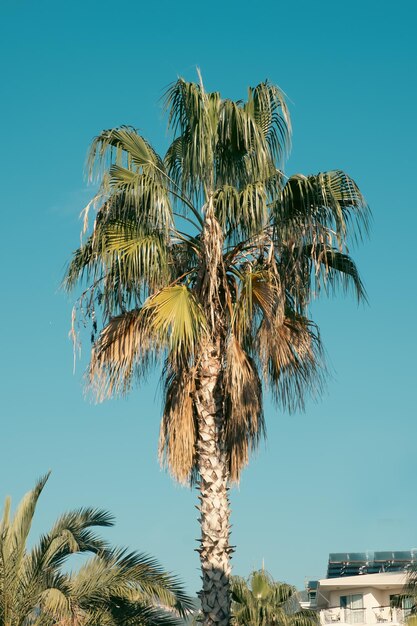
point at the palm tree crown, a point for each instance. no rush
(207, 260)
(160, 292)
(261, 601)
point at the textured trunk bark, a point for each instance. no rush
(212, 461)
(214, 503)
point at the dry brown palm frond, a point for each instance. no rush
(122, 343)
(170, 319)
(292, 358)
(243, 407)
(259, 292)
(178, 431)
(265, 290)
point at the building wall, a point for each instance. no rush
(371, 597)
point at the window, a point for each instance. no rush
(405, 603)
(354, 611)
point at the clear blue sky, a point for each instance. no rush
(340, 477)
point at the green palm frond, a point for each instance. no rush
(134, 178)
(333, 269)
(56, 604)
(304, 617)
(268, 107)
(243, 150)
(71, 533)
(170, 320)
(244, 211)
(125, 612)
(131, 575)
(154, 582)
(193, 116)
(142, 196)
(175, 316)
(141, 256)
(79, 265)
(124, 145)
(321, 208)
(239, 590)
(21, 523)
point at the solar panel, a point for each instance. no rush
(357, 563)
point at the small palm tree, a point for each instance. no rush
(112, 588)
(206, 261)
(261, 601)
(407, 600)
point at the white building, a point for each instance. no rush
(352, 595)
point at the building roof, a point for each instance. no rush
(384, 580)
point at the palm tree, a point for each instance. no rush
(113, 588)
(205, 261)
(261, 601)
(407, 600)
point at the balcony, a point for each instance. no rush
(374, 615)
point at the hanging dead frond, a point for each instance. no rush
(259, 294)
(244, 420)
(291, 355)
(178, 430)
(171, 319)
(123, 343)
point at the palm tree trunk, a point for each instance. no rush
(214, 502)
(212, 461)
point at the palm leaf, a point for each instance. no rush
(258, 293)
(140, 255)
(291, 355)
(304, 617)
(193, 116)
(71, 533)
(177, 318)
(131, 575)
(124, 342)
(267, 105)
(22, 521)
(333, 269)
(121, 145)
(178, 431)
(243, 407)
(124, 612)
(79, 265)
(56, 604)
(321, 207)
(244, 211)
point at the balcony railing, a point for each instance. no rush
(374, 615)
